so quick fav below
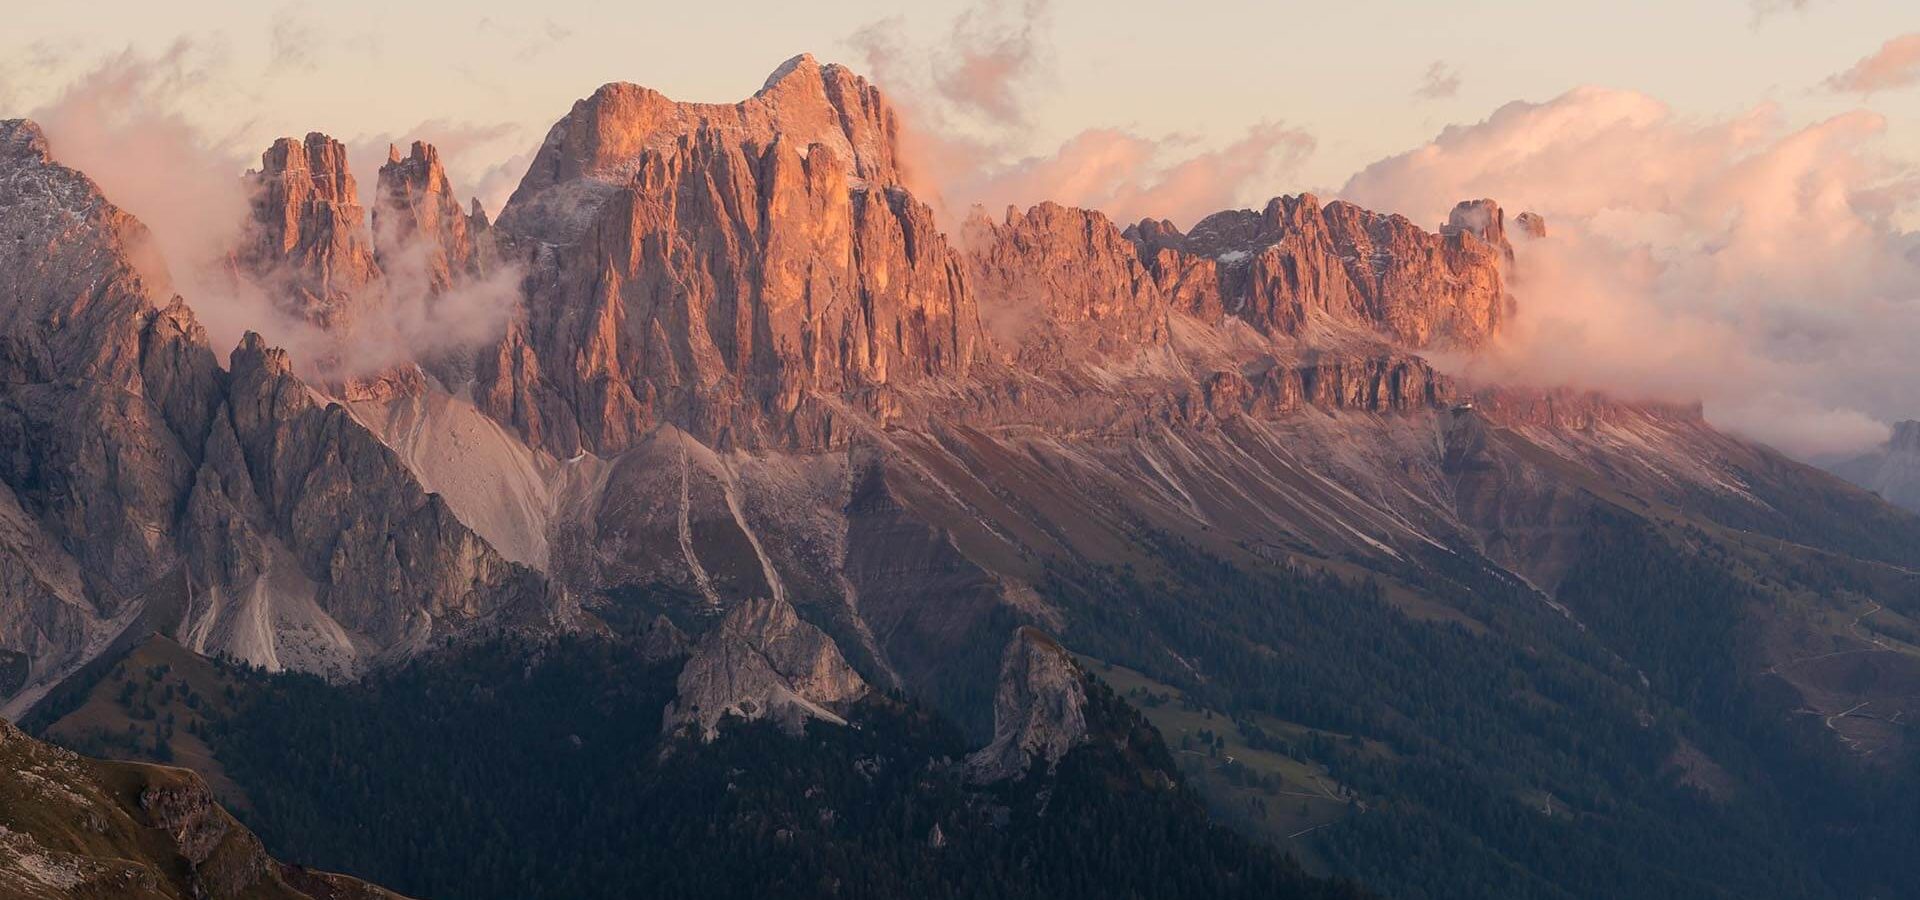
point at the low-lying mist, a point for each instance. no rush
(1757, 267)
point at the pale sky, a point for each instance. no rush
(1346, 72)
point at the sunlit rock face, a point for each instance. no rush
(1057, 283)
(308, 244)
(418, 224)
(600, 145)
(723, 269)
(1297, 265)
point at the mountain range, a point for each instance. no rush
(750, 406)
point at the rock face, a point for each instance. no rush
(1039, 709)
(737, 266)
(309, 245)
(762, 662)
(1298, 264)
(602, 144)
(77, 827)
(1056, 282)
(420, 232)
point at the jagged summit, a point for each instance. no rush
(599, 145)
(420, 232)
(20, 137)
(307, 243)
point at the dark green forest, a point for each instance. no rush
(523, 770)
(1534, 757)
(1537, 752)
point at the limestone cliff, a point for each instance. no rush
(1039, 709)
(763, 662)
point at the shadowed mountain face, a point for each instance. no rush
(1893, 471)
(752, 391)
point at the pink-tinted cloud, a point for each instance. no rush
(1440, 82)
(121, 123)
(968, 140)
(1895, 65)
(1752, 265)
(1130, 177)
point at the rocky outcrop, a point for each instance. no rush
(1039, 709)
(420, 233)
(727, 289)
(602, 144)
(77, 827)
(763, 662)
(1190, 282)
(663, 641)
(308, 244)
(391, 561)
(1530, 225)
(1380, 384)
(1056, 282)
(105, 397)
(1297, 264)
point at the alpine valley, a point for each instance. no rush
(777, 540)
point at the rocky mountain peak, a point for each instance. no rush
(1298, 265)
(1481, 218)
(1054, 280)
(307, 244)
(763, 661)
(419, 228)
(1039, 708)
(599, 145)
(1531, 225)
(22, 138)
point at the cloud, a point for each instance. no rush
(1130, 177)
(1895, 65)
(296, 43)
(292, 40)
(121, 123)
(967, 135)
(1763, 9)
(527, 42)
(1742, 262)
(1440, 82)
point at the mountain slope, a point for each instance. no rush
(148, 489)
(75, 827)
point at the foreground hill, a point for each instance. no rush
(77, 827)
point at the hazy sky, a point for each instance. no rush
(1733, 185)
(1349, 73)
